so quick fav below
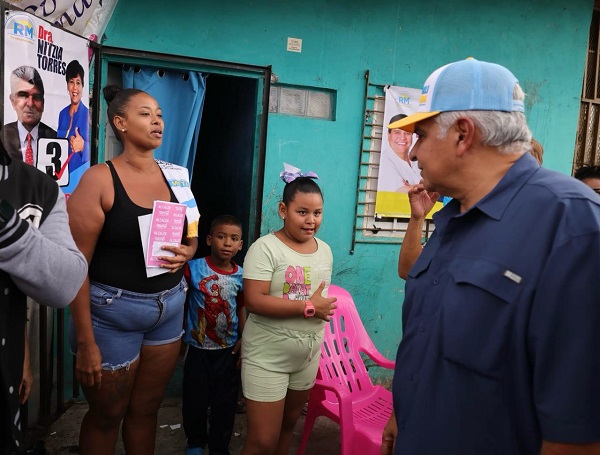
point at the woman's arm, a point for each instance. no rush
(421, 203)
(27, 380)
(411, 247)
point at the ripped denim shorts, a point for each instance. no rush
(124, 321)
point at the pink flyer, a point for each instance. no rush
(166, 228)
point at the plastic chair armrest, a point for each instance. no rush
(379, 359)
(344, 399)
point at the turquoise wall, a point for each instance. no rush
(543, 42)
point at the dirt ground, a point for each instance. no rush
(63, 434)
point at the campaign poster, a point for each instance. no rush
(46, 98)
(397, 172)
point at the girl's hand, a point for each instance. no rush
(183, 253)
(324, 306)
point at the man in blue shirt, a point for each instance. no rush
(501, 349)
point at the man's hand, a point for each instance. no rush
(388, 438)
(421, 201)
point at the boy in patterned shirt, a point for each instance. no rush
(215, 320)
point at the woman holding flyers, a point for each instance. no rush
(73, 120)
(126, 327)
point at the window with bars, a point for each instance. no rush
(370, 228)
(587, 143)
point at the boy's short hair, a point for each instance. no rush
(587, 172)
(227, 220)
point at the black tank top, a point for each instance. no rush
(118, 258)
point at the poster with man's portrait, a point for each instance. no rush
(46, 98)
(397, 172)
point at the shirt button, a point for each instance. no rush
(436, 281)
(421, 329)
(5, 291)
(3, 341)
(411, 378)
(11, 389)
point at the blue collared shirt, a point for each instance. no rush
(501, 339)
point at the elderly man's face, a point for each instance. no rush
(400, 142)
(434, 155)
(28, 103)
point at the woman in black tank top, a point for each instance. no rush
(123, 362)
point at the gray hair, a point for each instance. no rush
(28, 74)
(506, 130)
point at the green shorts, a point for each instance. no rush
(277, 359)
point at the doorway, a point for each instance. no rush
(223, 169)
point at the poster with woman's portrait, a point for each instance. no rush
(46, 98)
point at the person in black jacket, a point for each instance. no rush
(39, 259)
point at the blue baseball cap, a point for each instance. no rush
(467, 85)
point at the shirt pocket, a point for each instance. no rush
(478, 315)
(420, 266)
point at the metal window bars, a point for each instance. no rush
(368, 227)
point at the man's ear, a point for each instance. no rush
(464, 134)
(208, 240)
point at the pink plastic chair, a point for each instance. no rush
(343, 391)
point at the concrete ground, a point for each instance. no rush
(62, 437)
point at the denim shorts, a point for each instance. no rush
(124, 321)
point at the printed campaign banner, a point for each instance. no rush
(397, 173)
(87, 18)
(46, 98)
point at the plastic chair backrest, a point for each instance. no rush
(341, 361)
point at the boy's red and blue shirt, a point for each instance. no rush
(213, 299)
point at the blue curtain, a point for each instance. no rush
(181, 98)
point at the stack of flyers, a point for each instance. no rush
(166, 228)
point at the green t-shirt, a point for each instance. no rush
(293, 276)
